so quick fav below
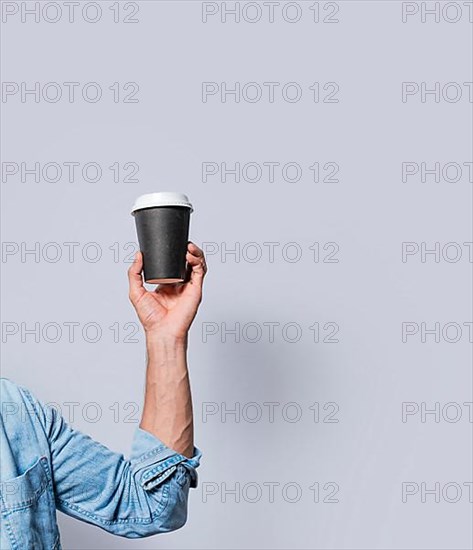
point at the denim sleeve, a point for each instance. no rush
(139, 497)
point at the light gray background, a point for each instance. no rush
(369, 293)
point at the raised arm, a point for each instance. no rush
(166, 315)
(146, 494)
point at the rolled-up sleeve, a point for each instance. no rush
(136, 497)
(153, 462)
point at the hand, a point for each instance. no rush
(170, 309)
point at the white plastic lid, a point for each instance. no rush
(164, 198)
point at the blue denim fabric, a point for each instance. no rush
(47, 466)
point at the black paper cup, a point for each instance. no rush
(162, 225)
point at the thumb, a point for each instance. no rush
(135, 279)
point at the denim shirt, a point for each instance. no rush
(47, 466)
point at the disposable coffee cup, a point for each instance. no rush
(162, 225)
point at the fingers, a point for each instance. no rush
(136, 287)
(187, 277)
(194, 249)
(195, 257)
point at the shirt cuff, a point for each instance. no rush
(153, 462)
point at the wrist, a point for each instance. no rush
(162, 338)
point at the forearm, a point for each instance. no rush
(167, 411)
